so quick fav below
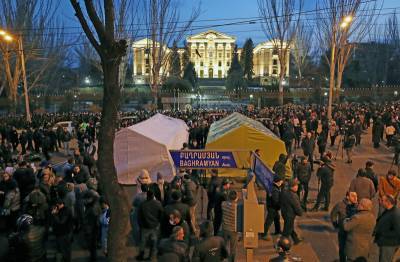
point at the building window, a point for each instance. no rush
(274, 71)
(228, 55)
(275, 62)
(147, 61)
(139, 70)
(219, 63)
(201, 63)
(147, 70)
(220, 55)
(201, 73)
(228, 63)
(211, 63)
(219, 73)
(210, 54)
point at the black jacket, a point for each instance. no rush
(274, 199)
(290, 204)
(307, 144)
(369, 173)
(325, 173)
(303, 173)
(150, 213)
(210, 249)
(63, 222)
(387, 229)
(168, 246)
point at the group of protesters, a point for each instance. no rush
(40, 201)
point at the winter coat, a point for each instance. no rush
(359, 230)
(303, 173)
(290, 204)
(12, 200)
(387, 230)
(210, 249)
(363, 187)
(325, 173)
(273, 199)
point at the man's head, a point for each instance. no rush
(178, 233)
(365, 204)
(77, 169)
(309, 134)
(176, 196)
(175, 217)
(278, 180)
(369, 164)
(232, 196)
(391, 174)
(6, 176)
(352, 197)
(387, 201)
(226, 184)
(304, 160)
(293, 185)
(206, 229)
(160, 178)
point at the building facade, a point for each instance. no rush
(211, 53)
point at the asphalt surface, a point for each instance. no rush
(320, 239)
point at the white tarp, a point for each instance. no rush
(146, 145)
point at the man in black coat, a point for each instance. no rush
(290, 208)
(308, 144)
(62, 228)
(369, 173)
(325, 175)
(387, 229)
(169, 209)
(25, 178)
(303, 173)
(273, 207)
(212, 191)
(149, 217)
(210, 248)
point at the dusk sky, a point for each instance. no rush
(222, 9)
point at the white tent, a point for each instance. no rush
(146, 145)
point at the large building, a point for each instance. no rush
(211, 53)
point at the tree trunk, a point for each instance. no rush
(115, 194)
(281, 78)
(338, 85)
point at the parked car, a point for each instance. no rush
(65, 124)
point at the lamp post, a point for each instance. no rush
(8, 37)
(345, 23)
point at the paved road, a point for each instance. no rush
(315, 226)
(320, 239)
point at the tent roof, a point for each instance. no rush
(232, 122)
(162, 129)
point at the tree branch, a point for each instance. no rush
(85, 26)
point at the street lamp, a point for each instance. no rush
(8, 37)
(343, 24)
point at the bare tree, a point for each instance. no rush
(302, 47)
(164, 26)
(339, 22)
(111, 50)
(281, 19)
(29, 21)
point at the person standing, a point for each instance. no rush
(273, 207)
(369, 173)
(221, 197)
(303, 172)
(388, 185)
(363, 186)
(290, 205)
(66, 138)
(212, 191)
(342, 210)
(210, 248)
(359, 230)
(387, 230)
(325, 174)
(348, 145)
(149, 217)
(62, 228)
(308, 144)
(333, 132)
(229, 223)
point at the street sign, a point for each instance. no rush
(203, 159)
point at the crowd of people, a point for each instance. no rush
(41, 201)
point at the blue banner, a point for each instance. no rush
(199, 159)
(264, 175)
